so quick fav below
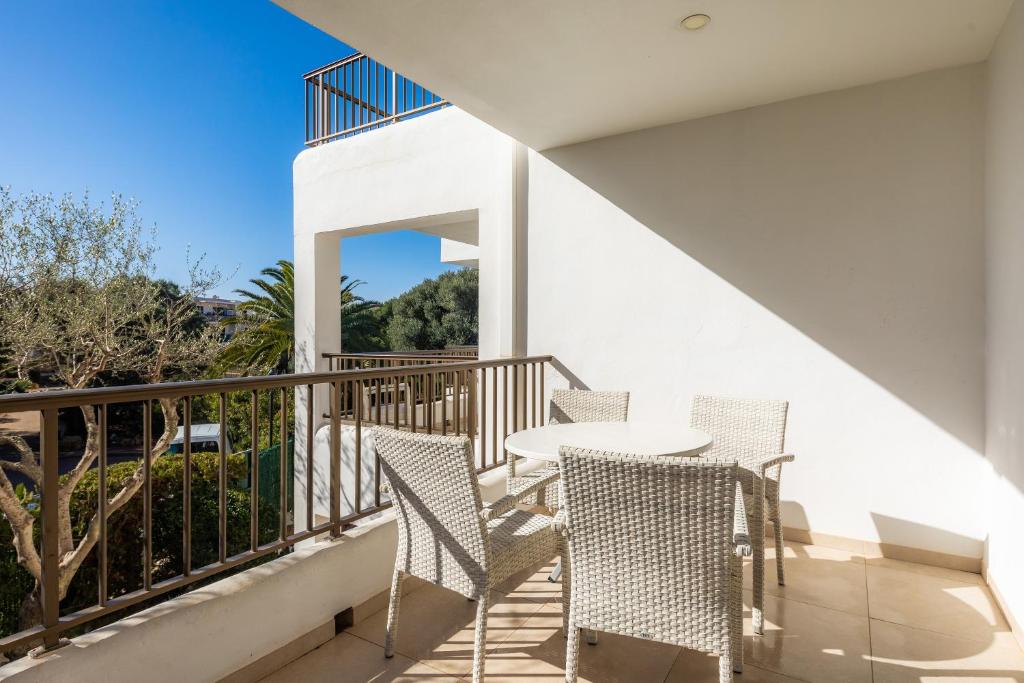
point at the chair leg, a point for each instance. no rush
(736, 615)
(725, 669)
(780, 550)
(572, 653)
(480, 638)
(393, 605)
(566, 588)
(757, 545)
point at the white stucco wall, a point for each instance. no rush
(827, 250)
(1005, 270)
(445, 173)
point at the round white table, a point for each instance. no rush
(639, 438)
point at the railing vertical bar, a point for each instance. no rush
(431, 399)
(222, 479)
(186, 489)
(147, 493)
(335, 464)
(542, 401)
(282, 476)
(483, 418)
(457, 401)
(533, 394)
(309, 456)
(471, 411)
(410, 393)
(504, 410)
(101, 498)
(494, 415)
(357, 496)
(444, 403)
(49, 593)
(396, 384)
(523, 399)
(378, 383)
(254, 471)
(515, 398)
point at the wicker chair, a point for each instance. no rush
(446, 535)
(753, 433)
(656, 546)
(566, 406)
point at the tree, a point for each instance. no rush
(79, 302)
(265, 338)
(436, 314)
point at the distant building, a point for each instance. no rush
(216, 309)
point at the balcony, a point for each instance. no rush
(358, 94)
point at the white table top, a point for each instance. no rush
(641, 438)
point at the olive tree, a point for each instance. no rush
(79, 302)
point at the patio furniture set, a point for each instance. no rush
(651, 520)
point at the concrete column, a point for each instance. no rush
(317, 331)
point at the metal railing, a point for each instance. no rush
(358, 93)
(486, 400)
(389, 359)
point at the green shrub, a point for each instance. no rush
(126, 540)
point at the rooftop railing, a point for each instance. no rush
(357, 94)
(485, 400)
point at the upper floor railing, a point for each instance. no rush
(485, 400)
(390, 359)
(357, 94)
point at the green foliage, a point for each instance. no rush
(266, 322)
(436, 314)
(126, 540)
(15, 582)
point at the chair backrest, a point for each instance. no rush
(441, 536)
(650, 545)
(742, 429)
(573, 405)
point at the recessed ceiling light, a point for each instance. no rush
(695, 22)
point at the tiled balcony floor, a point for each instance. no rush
(840, 618)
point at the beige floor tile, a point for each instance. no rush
(348, 659)
(903, 655)
(435, 626)
(695, 667)
(941, 572)
(536, 652)
(935, 603)
(819, 576)
(809, 642)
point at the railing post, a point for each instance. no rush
(49, 588)
(335, 464)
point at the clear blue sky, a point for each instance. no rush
(193, 108)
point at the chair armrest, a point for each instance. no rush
(773, 460)
(499, 507)
(542, 481)
(740, 532)
(559, 524)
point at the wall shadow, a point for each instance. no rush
(855, 216)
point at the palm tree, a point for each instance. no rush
(266, 321)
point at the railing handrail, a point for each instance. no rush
(357, 93)
(74, 398)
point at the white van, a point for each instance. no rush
(205, 438)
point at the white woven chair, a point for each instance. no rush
(753, 433)
(446, 535)
(656, 546)
(567, 405)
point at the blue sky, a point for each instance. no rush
(195, 109)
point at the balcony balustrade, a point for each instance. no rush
(357, 94)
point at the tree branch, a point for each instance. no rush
(27, 464)
(22, 522)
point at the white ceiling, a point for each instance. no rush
(553, 72)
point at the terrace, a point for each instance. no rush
(787, 216)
